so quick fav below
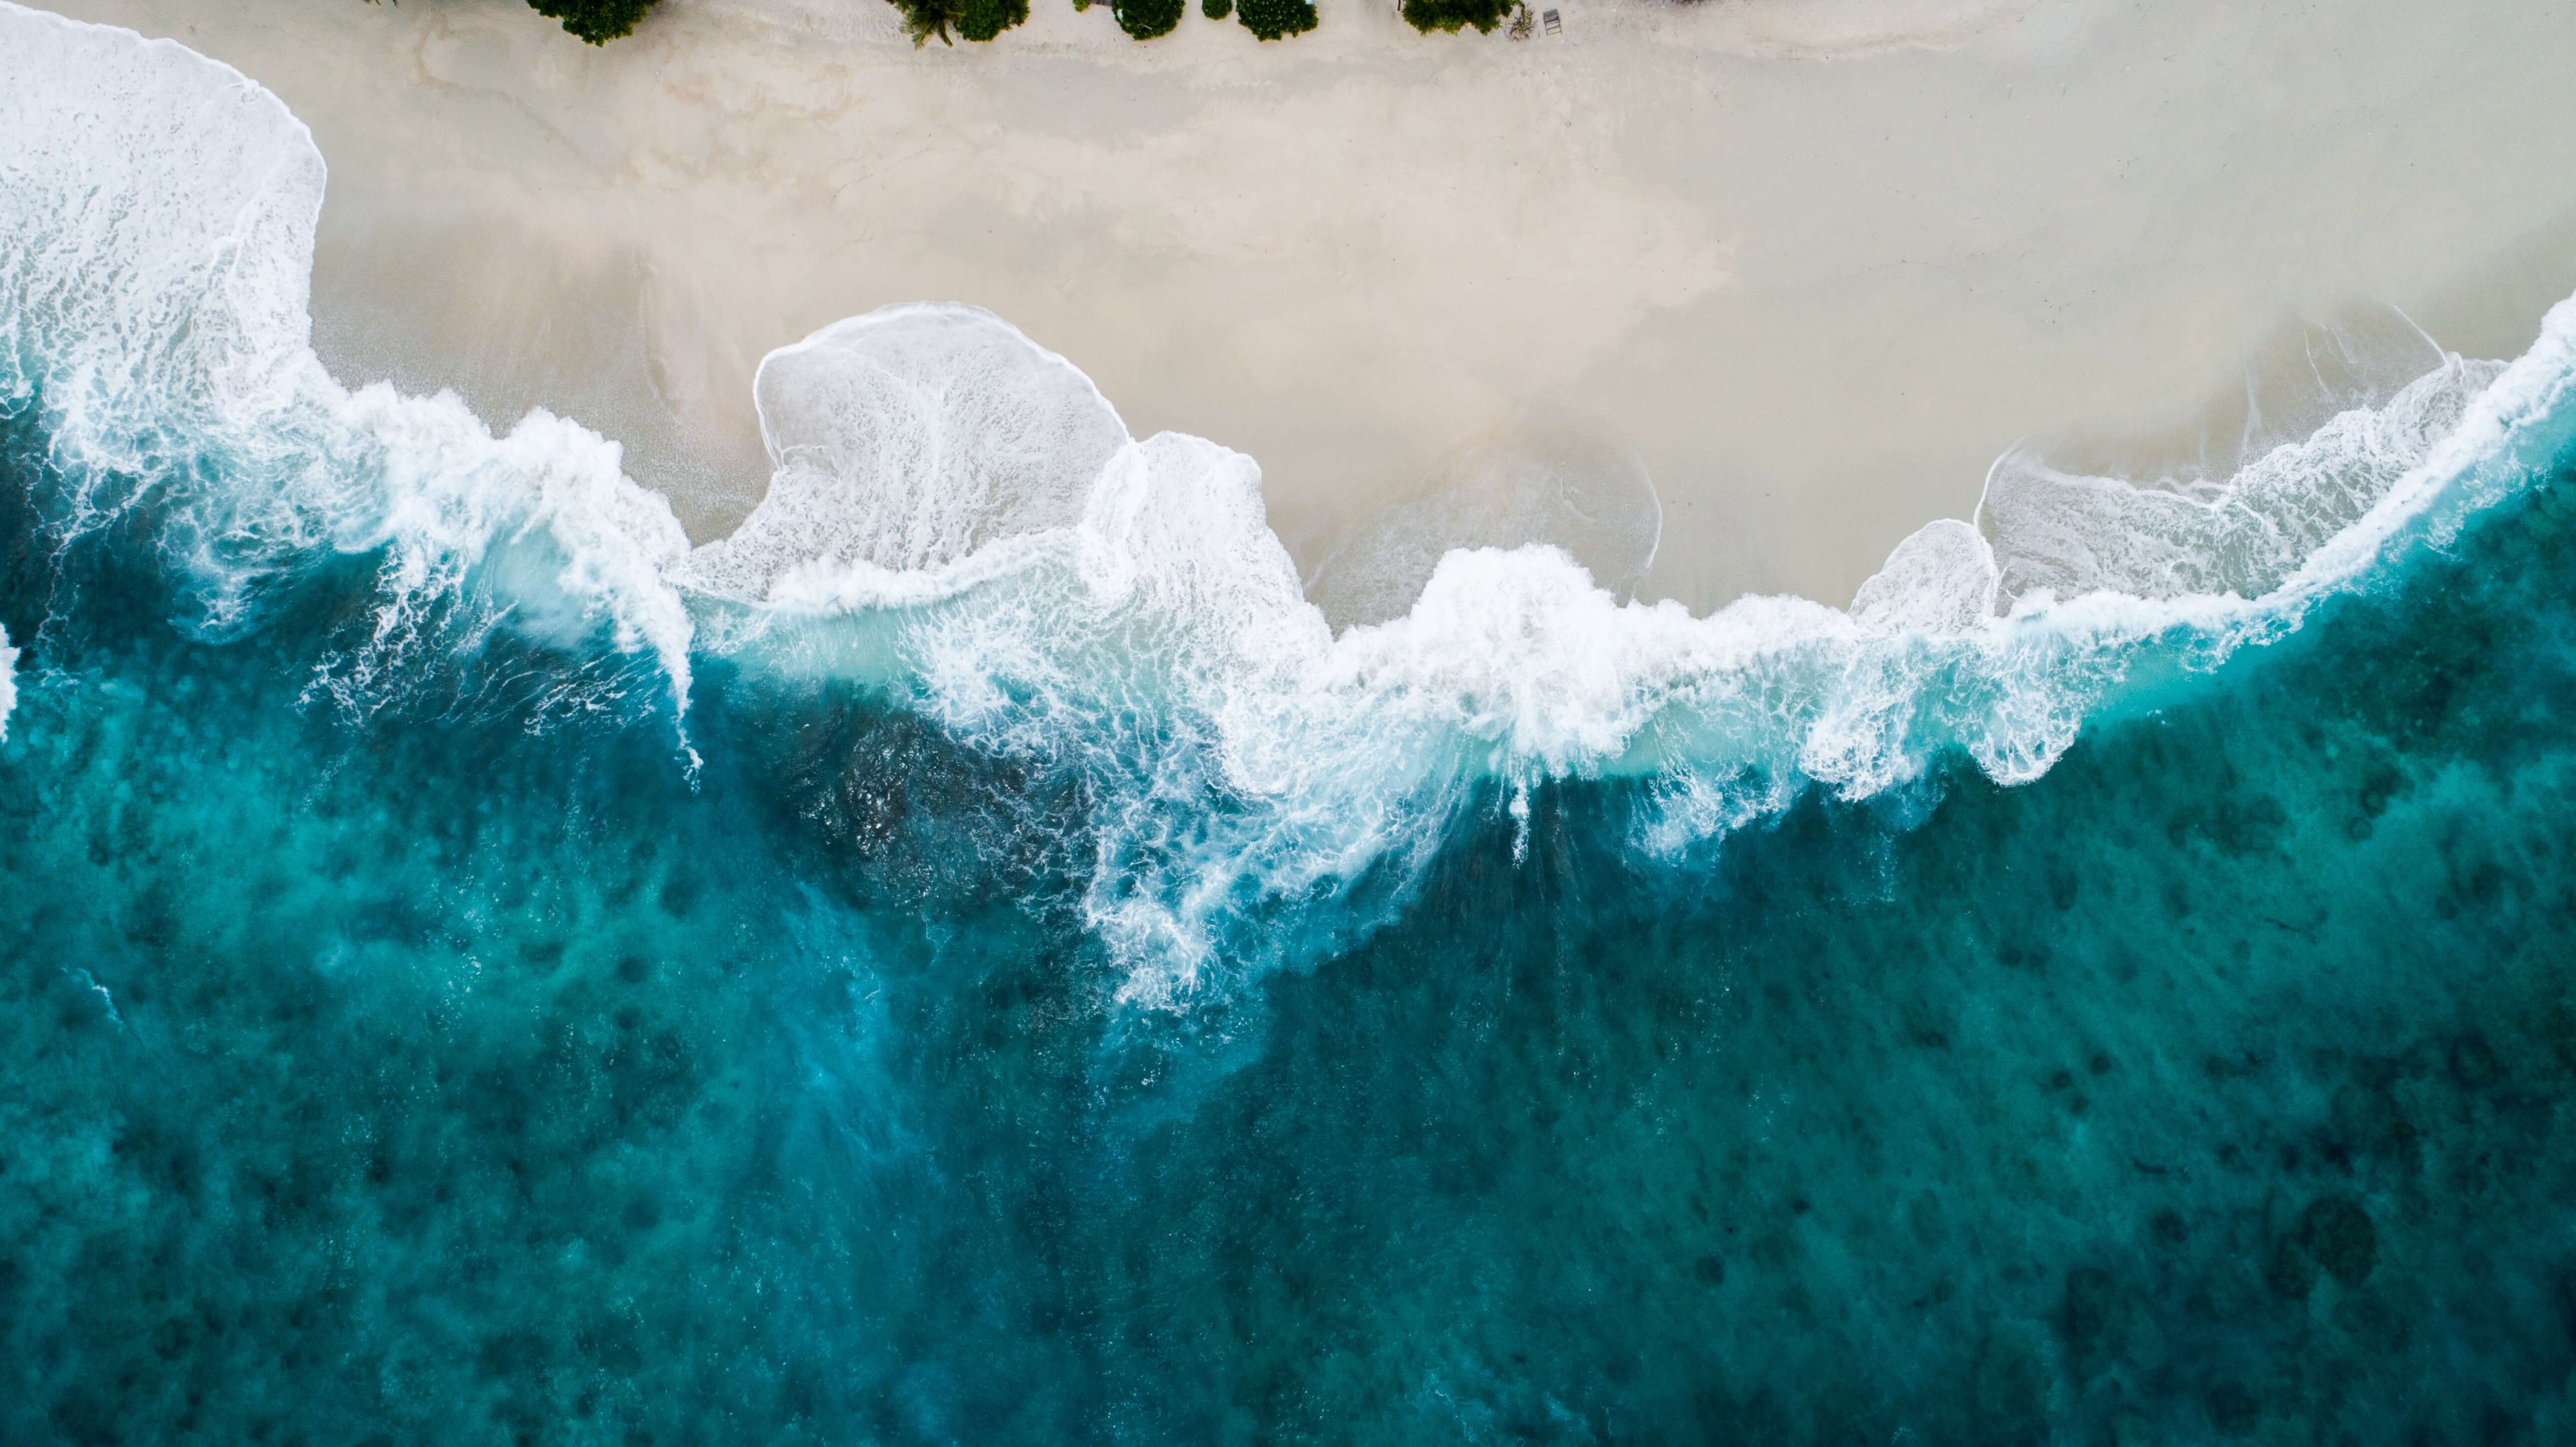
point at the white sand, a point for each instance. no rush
(1817, 261)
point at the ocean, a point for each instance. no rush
(973, 957)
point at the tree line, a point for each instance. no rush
(601, 21)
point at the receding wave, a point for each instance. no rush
(958, 518)
(8, 682)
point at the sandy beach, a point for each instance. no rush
(1815, 264)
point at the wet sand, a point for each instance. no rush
(1814, 264)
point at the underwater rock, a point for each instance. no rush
(2335, 1236)
(2234, 1409)
(2338, 1233)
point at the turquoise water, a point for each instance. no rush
(478, 970)
(451, 1081)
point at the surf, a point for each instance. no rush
(960, 522)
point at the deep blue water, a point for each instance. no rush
(479, 971)
(445, 1077)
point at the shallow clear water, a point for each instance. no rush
(973, 958)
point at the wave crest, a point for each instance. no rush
(958, 516)
(157, 212)
(8, 683)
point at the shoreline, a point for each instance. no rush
(1815, 296)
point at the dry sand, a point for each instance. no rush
(1816, 261)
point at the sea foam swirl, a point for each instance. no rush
(959, 518)
(157, 212)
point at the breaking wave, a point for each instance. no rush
(960, 520)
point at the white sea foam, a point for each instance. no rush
(1244, 752)
(910, 438)
(958, 515)
(157, 212)
(2069, 533)
(8, 683)
(1550, 481)
(1942, 579)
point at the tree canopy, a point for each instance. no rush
(1272, 19)
(1429, 15)
(1145, 19)
(601, 21)
(974, 19)
(597, 21)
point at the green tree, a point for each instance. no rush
(974, 19)
(1271, 19)
(1145, 19)
(597, 21)
(1429, 15)
(1216, 9)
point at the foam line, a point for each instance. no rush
(960, 516)
(8, 683)
(157, 212)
